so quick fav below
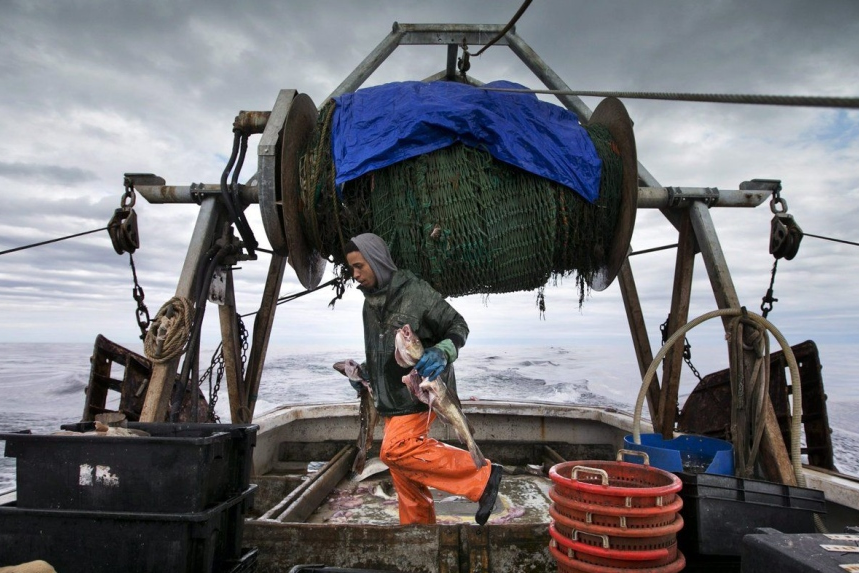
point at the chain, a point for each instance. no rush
(778, 205)
(243, 335)
(687, 348)
(128, 197)
(768, 299)
(687, 358)
(142, 312)
(217, 366)
(122, 229)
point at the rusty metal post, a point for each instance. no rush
(163, 375)
(638, 329)
(231, 342)
(678, 316)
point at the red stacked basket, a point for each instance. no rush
(609, 517)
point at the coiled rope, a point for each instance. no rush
(749, 396)
(796, 416)
(796, 393)
(462, 220)
(169, 330)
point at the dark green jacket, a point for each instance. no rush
(406, 300)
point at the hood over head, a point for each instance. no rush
(375, 250)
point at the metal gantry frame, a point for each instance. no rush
(687, 209)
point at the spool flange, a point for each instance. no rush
(611, 114)
(305, 259)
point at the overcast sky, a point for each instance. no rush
(90, 90)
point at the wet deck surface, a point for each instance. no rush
(373, 501)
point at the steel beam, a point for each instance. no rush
(714, 258)
(439, 34)
(678, 316)
(648, 197)
(450, 73)
(194, 193)
(679, 197)
(366, 68)
(232, 353)
(640, 341)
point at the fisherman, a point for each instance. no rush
(393, 298)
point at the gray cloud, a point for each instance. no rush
(46, 173)
(91, 90)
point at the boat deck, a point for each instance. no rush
(522, 498)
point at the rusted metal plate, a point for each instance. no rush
(136, 373)
(707, 410)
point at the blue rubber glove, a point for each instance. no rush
(431, 363)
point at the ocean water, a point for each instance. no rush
(43, 385)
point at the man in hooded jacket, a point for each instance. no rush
(393, 298)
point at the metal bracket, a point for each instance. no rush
(197, 191)
(138, 179)
(771, 185)
(218, 287)
(683, 197)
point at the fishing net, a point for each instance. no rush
(462, 220)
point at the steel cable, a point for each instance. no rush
(750, 99)
(7, 251)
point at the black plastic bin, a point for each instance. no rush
(98, 541)
(247, 563)
(179, 468)
(719, 510)
(771, 550)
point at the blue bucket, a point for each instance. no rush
(689, 453)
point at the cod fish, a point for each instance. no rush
(434, 393)
(367, 412)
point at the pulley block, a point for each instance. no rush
(785, 236)
(122, 229)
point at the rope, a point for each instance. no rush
(796, 417)
(509, 25)
(748, 396)
(169, 330)
(794, 101)
(7, 251)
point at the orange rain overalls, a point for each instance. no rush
(418, 462)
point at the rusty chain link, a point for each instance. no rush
(687, 348)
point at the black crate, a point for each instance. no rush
(719, 510)
(794, 553)
(247, 563)
(179, 468)
(96, 541)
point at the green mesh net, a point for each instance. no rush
(462, 220)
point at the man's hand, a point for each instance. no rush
(431, 363)
(352, 370)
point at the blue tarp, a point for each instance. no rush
(379, 126)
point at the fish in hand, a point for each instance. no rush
(434, 393)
